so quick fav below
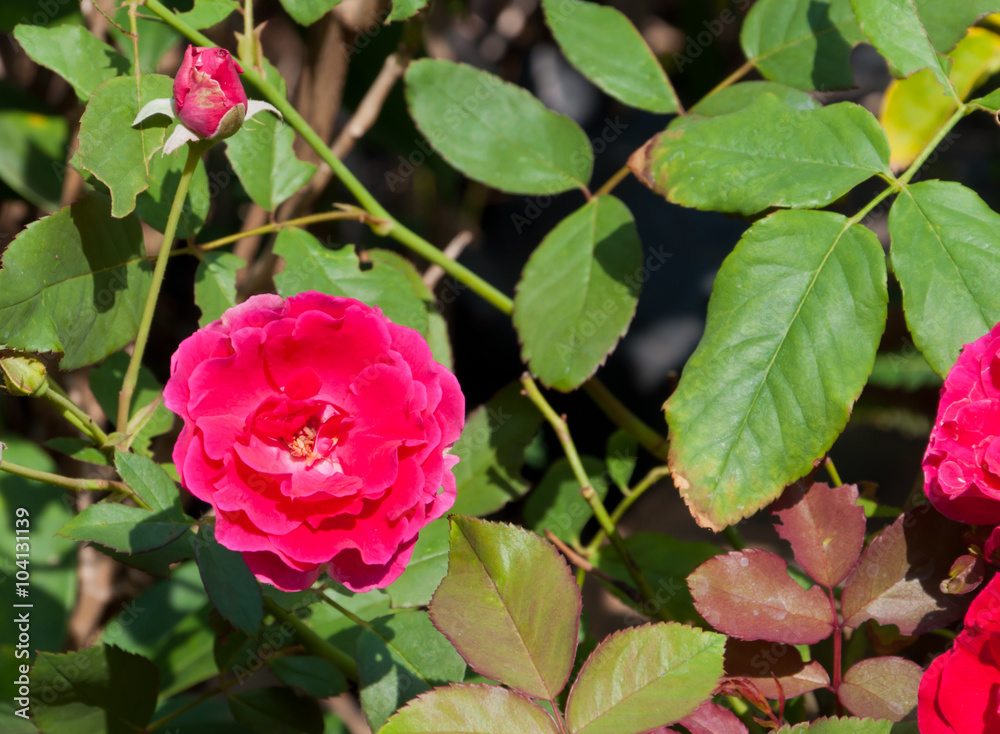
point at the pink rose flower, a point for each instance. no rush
(318, 430)
(960, 692)
(208, 94)
(962, 463)
(209, 99)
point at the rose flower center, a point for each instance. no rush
(302, 443)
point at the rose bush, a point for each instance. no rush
(962, 462)
(960, 692)
(318, 430)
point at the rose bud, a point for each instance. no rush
(209, 99)
(319, 431)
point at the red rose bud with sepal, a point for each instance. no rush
(209, 99)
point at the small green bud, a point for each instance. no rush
(24, 375)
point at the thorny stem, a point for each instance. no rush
(391, 228)
(77, 485)
(132, 373)
(587, 492)
(313, 642)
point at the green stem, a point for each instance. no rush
(587, 492)
(654, 475)
(222, 687)
(625, 419)
(74, 414)
(169, 17)
(313, 642)
(961, 112)
(734, 537)
(268, 228)
(832, 471)
(77, 485)
(732, 78)
(348, 613)
(608, 186)
(132, 373)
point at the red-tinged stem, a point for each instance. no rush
(838, 649)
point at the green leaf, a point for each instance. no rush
(488, 606)
(114, 151)
(307, 12)
(915, 109)
(153, 485)
(334, 626)
(81, 449)
(400, 656)
(13, 12)
(645, 677)
(946, 21)
(802, 43)
(156, 562)
(74, 282)
(895, 29)
(765, 155)
(277, 711)
(843, 725)
(607, 49)
(427, 566)
(99, 690)
(665, 562)
(315, 676)
(205, 13)
(262, 156)
(153, 205)
(946, 255)
(467, 116)
(491, 452)
(33, 154)
(906, 370)
(556, 505)
(215, 284)
(310, 266)
(793, 324)
(622, 453)
(125, 528)
(232, 588)
(405, 9)
(106, 381)
(51, 560)
(739, 96)
(578, 293)
(74, 53)
(471, 709)
(881, 687)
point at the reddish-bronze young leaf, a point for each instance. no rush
(749, 594)
(825, 527)
(711, 718)
(882, 688)
(966, 574)
(898, 580)
(776, 669)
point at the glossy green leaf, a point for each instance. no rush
(607, 49)
(946, 256)
(74, 53)
(52, 558)
(578, 293)
(125, 528)
(307, 12)
(74, 282)
(665, 562)
(915, 109)
(399, 657)
(106, 381)
(315, 676)
(491, 452)
(99, 690)
(262, 156)
(738, 96)
(81, 449)
(333, 626)
(232, 588)
(153, 485)
(205, 13)
(404, 9)
(427, 566)
(310, 266)
(114, 151)
(13, 12)
(153, 205)
(644, 677)
(946, 21)
(802, 43)
(556, 505)
(33, 154)
(471, 709)
(156, 562)
(894, 27)
(466, 114)
(168, 624)
(765, 155)
(795, 317)
(488, 606)
(215, 284)
(277, 711)
(842, 725)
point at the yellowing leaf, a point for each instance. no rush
(914, 109)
